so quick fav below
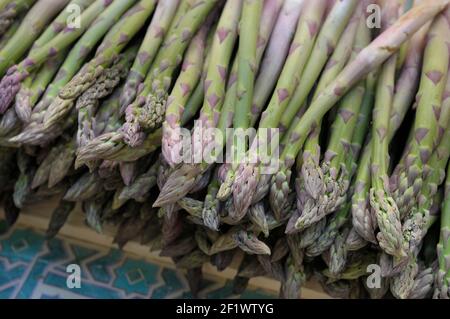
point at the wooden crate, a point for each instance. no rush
(37, 217)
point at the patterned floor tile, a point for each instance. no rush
(32, 267)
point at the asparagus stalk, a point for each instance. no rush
(60, 22)
(49, 106)
(32, 88)
(425, 130)
(114, 42)
(59, 218)
(248, 37)
(275, 54)
(5, 37)
(148, 109)
(442, 285)
(311, 155)
(88, 102)
(406, 85)
(161, 20)
(215, 81)
(383, 205)
(329, 35)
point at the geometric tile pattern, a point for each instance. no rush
(33, 268)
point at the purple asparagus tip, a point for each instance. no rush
(132, 134)
(9, 86)
(131, 130)
(244, 187)
(178, 185)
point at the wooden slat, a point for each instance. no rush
(37, 217)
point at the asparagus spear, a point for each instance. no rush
(331, 31)
(385, 209)
(88, 102)
(59, 217)
(406, 85)
(248, 37)
(425, 130)
(442, 284)
(161, 20)
(323, 194)
(32, 88)
(147, 111)
(329, 34)
(114, 42)
(77, 56)
(278, 45)
(187, 80)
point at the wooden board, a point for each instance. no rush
(37, 217)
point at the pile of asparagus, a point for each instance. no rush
(93, 93)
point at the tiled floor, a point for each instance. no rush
(31, 267)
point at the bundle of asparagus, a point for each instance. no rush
(130, 112)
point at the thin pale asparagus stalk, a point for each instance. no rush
(275, 54)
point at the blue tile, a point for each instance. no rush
(22, 245)
(11, 274)
(108, 275)
(135, 276)
(98, 268)
(87, 289)
(7, 293)
(172, 284)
